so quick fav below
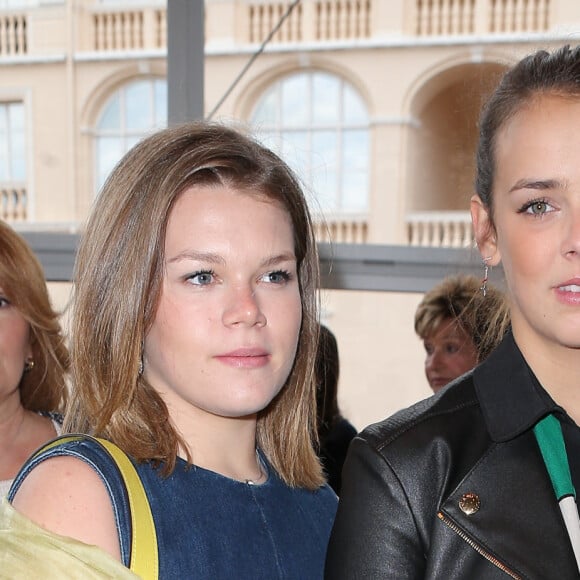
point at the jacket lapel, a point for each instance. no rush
(518, 521)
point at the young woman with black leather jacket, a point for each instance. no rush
(478, 481)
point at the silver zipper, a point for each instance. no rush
(450, 524)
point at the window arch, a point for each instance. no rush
(318, 123)
(130, 114)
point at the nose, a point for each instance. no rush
(571, 242)
(243, 308)
(432, 360)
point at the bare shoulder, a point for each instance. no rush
(66, 496)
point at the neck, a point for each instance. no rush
(21, 432)
(224, 445)
(557, 368)
(12, 415)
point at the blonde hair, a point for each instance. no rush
(117, 281)
(43, 387)
(485, 319)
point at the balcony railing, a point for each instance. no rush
(342, 229)
(449, 229)
(122, 30)
(452, 17)
(13, 202)
(13, 34)
(311, 20)
(129, 28)
(264, 17)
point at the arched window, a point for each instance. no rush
(12, 142)
(132, 112)
(318, 123)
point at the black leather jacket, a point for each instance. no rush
(454, 487)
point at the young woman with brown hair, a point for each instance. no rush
(194, 333)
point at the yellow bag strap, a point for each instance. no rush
(144, 557)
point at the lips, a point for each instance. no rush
(568, 292)
(571, 285)
(245, 358)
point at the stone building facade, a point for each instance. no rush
(374, 102)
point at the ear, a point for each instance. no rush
(29, 350)
(484, 232)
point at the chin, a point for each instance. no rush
(244, 400)
(247, 408)
(569, 338)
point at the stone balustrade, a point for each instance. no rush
(447, 229)
(13, 202)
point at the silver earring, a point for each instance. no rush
(140, 369)
(483, 286)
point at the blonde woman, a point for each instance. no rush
(33, 357)
(459, 326)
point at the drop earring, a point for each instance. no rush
(483, 286)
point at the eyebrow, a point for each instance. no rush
(208, 257)
(538, 184)
(212, 258)
(275, 260)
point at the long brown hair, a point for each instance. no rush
(43, 387)
(117, 282)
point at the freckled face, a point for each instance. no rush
(14, 348)
(537, 218)
(226, 330)
(450, 352)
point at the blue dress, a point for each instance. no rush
(211, 527)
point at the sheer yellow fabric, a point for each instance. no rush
(28, 551)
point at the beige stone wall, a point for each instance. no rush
(422, 92)
(381, 357)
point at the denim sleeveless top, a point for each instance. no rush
(212, 527)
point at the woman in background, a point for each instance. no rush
(479, 481)
(33, 357)
(194, 334)
(459, 326)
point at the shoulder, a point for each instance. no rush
(57, 478)
(66, 496)
(309, 509)
(413, 459)
(327, 496)
(446, 420)
(65, 488)
(326, 500)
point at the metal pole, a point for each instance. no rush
(185, 60)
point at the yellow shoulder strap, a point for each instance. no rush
(144, 556)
